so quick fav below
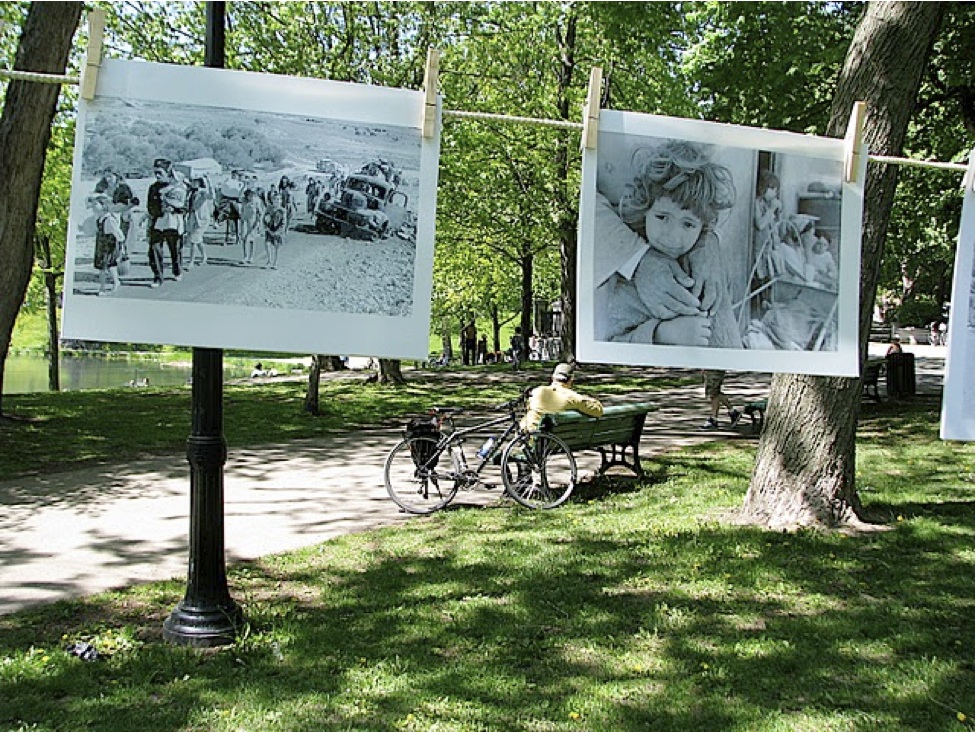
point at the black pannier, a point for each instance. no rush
(421, 452)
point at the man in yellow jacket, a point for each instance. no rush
(558, 397)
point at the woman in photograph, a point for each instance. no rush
(198, 218)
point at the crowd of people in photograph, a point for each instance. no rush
(184, 203)
(179, 210)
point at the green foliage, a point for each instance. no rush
(767, 64)
(634, 607)
(924, 227)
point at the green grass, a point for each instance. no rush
(53, 430)
(637, 606)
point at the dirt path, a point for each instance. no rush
(316, 272)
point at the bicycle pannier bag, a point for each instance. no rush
(421, 452)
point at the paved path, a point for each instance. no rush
(75, 533)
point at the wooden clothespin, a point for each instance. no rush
(93, 55)
(429, 121)
(591, 111)
(854, 141)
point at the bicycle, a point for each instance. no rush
(425, 471)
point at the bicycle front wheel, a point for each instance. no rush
(415, 478)
(539, 470)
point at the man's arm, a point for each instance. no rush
(585, 405)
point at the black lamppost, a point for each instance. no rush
(207, 616)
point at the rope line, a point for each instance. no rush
(509, 118)
(918, 163)
(15, 75)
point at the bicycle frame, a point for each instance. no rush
(457, 435)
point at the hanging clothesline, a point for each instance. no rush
(565, 124)
(489, 117)
(15, 75)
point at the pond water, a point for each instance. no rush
(26, 373)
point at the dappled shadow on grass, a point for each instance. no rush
(512, 619)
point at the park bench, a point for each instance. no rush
(614, 435)
(873, 370)
(756, 412)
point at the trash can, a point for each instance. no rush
(900, 375)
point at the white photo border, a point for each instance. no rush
(958, 419)
(843, 361)
(248, 328)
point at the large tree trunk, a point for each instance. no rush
(390, 372)
(804, 472)
(25, 128)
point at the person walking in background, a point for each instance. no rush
(483, 349)
(469, 344)
(716, 398)
(517, 345)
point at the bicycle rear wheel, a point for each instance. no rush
(539, 470)
(415, 478)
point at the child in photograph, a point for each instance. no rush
(673, 205)
(821, 269)
(108, 243)
(274, 228)
(766, 217)
(198, 219)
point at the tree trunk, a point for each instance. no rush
(331, 363)
(312, 393)
(804, 471)
(43, 253)
(525, 318)
(496, 329)
(567, 212)
(390, 372)
(446, 346)
(25, 128)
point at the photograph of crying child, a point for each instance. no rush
(718, 247)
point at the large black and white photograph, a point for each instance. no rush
(237, 210)
(715, 246)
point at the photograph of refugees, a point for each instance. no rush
(219, 200)
(707, 248)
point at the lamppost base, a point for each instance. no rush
(203, 626)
